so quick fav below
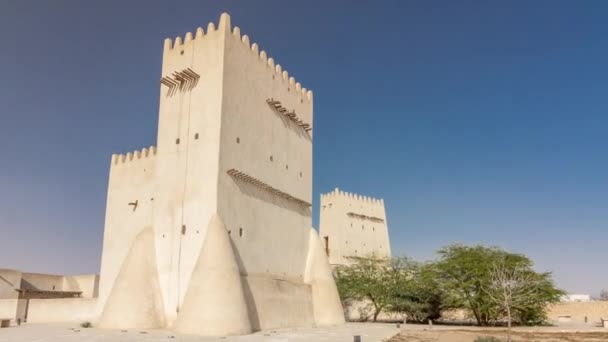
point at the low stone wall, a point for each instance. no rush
(61, 310)
(13, 308)
(8, 308)
(576, 312)
(565, 312)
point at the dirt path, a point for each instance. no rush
(462, 335)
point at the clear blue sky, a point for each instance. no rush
(476, 121)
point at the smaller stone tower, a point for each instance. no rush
(352, 225)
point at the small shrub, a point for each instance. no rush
(487, 339)
(86, 325)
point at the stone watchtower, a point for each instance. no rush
(353, 226)
(210, 231)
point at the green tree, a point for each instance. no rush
(418, 293)
(398, 285)
(369, 279)
(466, 274)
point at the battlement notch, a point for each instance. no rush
(179, 42)
(278, 71)
(225, 26)
(131, 156)
(351, 197)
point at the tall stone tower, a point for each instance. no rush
(352, 225)
(217, 217)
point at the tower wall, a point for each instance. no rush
(352, 225)
(234, 140)
(132, 179)
(187, 168)
(269, 224)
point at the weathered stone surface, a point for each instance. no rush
(135, 301)
(215, 303)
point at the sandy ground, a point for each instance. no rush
(369, 332)
(587, 333)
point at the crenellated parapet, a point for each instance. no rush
(274, 69)
(351, 197)
(178, 43)
(144, 153)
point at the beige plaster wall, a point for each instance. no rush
(61, 310)
(594, 310)
(278, 303)
(187, 171)
(131, 179)
(43, 282)
(187, 183)
(215, 303)
(8, 308)
(327, 308)
(135, 300)
(87, 284)
(9, 281)
(13, 279)
(351, 224)
(270, 233)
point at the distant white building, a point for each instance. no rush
(576, 298)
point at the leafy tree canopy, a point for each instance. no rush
(462, 278)
(466, 271)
